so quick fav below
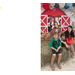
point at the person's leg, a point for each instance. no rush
(59, 58)
(72, 49)
(67, 46)
(52, 59)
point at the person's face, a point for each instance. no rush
(69, 29)
(55, 36)
(63, 37)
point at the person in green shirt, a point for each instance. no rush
(55, 46)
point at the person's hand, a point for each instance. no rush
(64, 42)
(57, 50)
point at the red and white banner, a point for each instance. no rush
(44, 26)
(65, 22)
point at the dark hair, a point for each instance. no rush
(63, 34)
(70, 27)
(71, 33)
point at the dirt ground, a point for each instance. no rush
(68, 65)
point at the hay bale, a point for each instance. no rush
(42, 60)
(65, 54)
(47, 36)
(74, 44)
(42, 36)
(46, 53)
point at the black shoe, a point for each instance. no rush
(67, 49)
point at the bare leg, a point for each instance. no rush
(72, 49)
(67, 46)
(52, 59)
(59, 58)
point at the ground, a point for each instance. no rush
(68, 65)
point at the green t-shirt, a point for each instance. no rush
(55, 43)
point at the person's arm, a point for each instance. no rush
(53, 48)
(59, 47)
(63, 42)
